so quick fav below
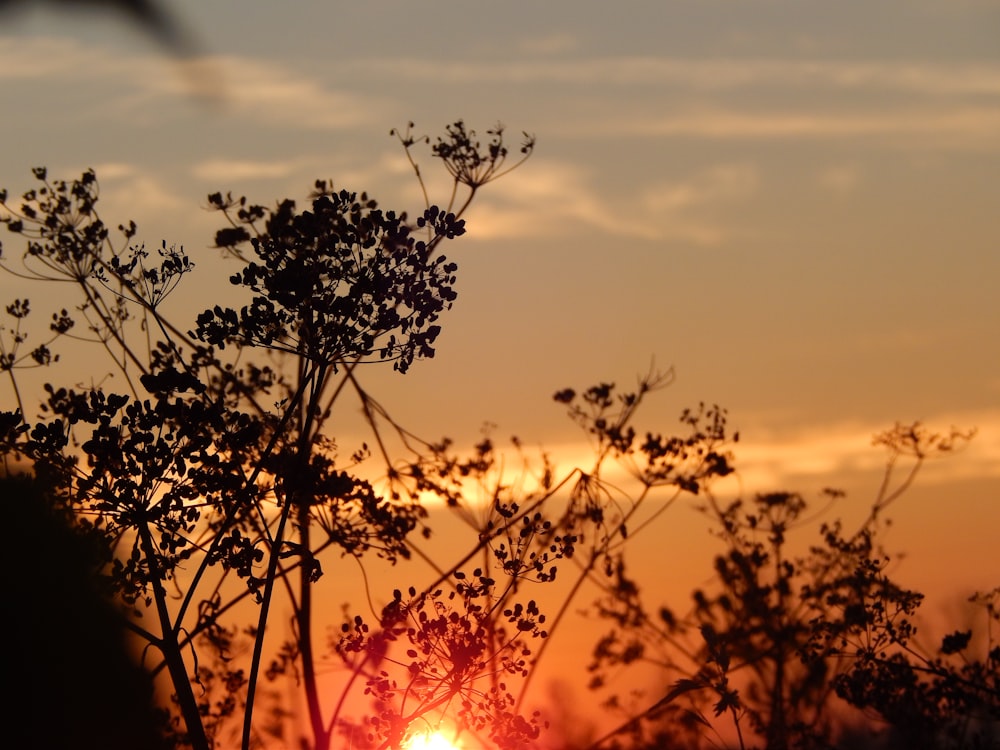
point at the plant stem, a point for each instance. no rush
(170, 648)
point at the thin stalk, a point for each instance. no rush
(170, 649)
(265, 606)
(305, 610)
(309, 379)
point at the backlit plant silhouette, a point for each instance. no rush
(788, 642)
(213, 475)
(200, 462)
(207, 469)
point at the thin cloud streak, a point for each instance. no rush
(268, 92)
(962, 128)
(264, 92)
(51, 59)
(552, 199)
(40, 56)
(555, 199)
(242, 169)
(827, 452)
(36, 58)
(709, 75)
(830, 455)
(128, 189)
(275, 93)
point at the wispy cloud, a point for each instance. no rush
(909, 104)
(250, 90)
(265, 92)
(242, 169)
(981, 123)
(270, 92)
(549, 200)
(834, 455)
(132, 192)
(720, 182)
(33, 58)
(124, 185)
(687, 209)
(828, 452)
(554, 199)
(939, 79)
(58, 59)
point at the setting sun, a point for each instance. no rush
(431, 741)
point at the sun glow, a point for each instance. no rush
(431, 741)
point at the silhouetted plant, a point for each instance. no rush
(210, 480)
(211, 466)
(789, 639)
(473, 644)
(210, 469)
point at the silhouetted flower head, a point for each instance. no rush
(343, 281)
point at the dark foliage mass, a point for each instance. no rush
(69, 679)
(205, 479)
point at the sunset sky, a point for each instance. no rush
(794, 203)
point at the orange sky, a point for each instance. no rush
(792, 203)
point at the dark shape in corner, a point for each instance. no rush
(150, 16)
(157, 21)
(67, 678)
